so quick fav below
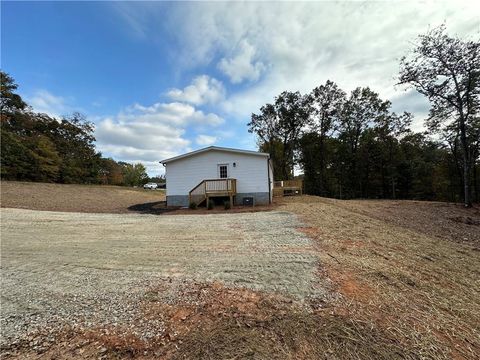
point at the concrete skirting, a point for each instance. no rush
(177, 200)
(259, 198)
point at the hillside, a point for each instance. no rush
(73, 197)
(314, 276)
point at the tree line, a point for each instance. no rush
(354, 146)
(38, 147)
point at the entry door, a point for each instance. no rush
(222, 171)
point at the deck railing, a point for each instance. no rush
(212, 187)
(197, 194)
(220, 185)
(284, 187)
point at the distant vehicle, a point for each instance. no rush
(151, 186)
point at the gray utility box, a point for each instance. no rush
(247, 201)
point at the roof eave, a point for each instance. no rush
(209, 148)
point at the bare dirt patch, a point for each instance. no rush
(75, 198)
(161, 208)
(337, 280)
(79, 272)
(211, 321)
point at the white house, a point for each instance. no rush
(216, 171)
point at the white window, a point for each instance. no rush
(223, 171)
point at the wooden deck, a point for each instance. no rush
(287, 187)
(213, 188)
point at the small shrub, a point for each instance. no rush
(227, 205)
(210, 205)
(193, 205)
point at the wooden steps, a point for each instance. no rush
(213, 188)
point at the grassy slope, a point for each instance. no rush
(412, 284)
(72, 197)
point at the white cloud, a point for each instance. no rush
(242, 64)
(175, 113)
(203, 89)
(299, 45)
(271, 47)
(136, 20)
(205, 140)
(149, 134)
(137, 137)
(45, 102)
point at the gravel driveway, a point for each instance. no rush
(80, 269)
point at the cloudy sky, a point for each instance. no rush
(159, 79)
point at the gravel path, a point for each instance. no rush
(91, 270)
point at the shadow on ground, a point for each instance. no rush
(155, 208)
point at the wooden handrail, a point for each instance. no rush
(212, 187)
(283, 187)
(220, 185)
(224, 179)
(288, 183)
(200, 183)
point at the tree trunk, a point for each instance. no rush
(475, 183)
(466, 163)
(284, 160)
(454, 149)
(390, 163)
(322, 165)
(466, 183)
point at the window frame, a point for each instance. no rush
(219, 171)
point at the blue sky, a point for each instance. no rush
(159, 79)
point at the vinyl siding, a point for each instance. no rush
(251, 171)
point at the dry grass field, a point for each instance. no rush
(313, 278)
(409, 269)
(73, 197)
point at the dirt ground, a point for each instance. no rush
(59, 268)
(76, 198)
(443, 220)
(314, 278)
(408, 268)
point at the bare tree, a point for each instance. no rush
(447, 71)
